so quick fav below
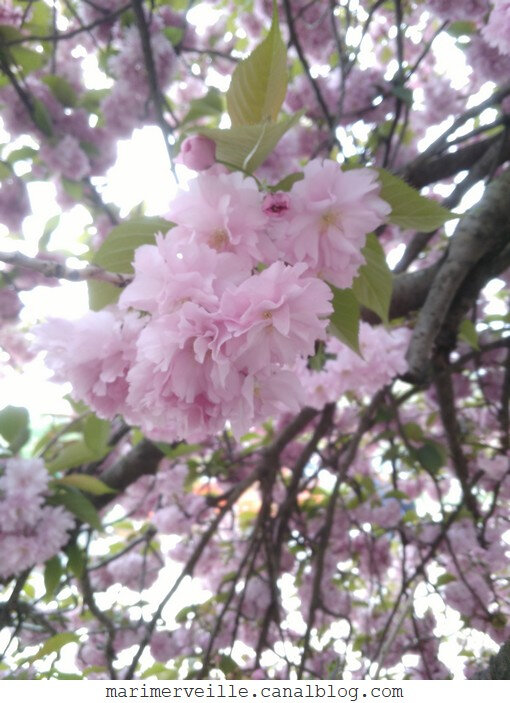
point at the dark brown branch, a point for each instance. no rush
(448, 412)
(150, 66)
(61, 36)
(306, 67)
(344, 462)
(143, 459)
(485, 229)
(442, 141)
(448, 164)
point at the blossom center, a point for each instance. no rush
(218, 240)
(328, 219)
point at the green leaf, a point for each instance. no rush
(431, 456)
(182, 449)
(374, 284)
(9, 33)
(52, 573)
(153, 670)
(5, 170)
(404, 94)
(461, 28)
(73, 188)
(286, 183)
(117, 253)
(21, 154)
(88, 484)
(173, 34)
(79, 505)
(72, 455)
(259, 83)
(247, 147)
(27, 59)
(344, 321)
(14, 426)
(444, 579)
(468, 334)
(211, 105)
(61, 89)
(91, 99)
(409, 209)
(76, 559)
(96, 433)
(413, 432)
(54, 644)
(40, 18)
(29, 590)
(50, 226)
(399, 495)
(42, 117)
(227, 664)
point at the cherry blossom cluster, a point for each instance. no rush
(381, 359)
(30, 532)
(230, 298)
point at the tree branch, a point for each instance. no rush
(54, 269)
(485, 229)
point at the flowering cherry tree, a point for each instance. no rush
(287, 449)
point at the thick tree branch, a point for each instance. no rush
(143, 459)
(485, 229)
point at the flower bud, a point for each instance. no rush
(197, 152)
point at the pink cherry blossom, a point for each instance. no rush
(30, 532)
(497, 30)
(331, 213)
(224, 211)
(275, 316)
(95, 354)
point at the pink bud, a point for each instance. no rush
(276, 204)
(197, 152)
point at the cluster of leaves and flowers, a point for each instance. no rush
(261, 408)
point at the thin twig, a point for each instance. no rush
(53, 269)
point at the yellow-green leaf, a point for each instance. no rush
(54, 644)
(14, 426)
(344, 320)
(61, 89)
(374, 283)
(259, 83)
(96, 433)
(117, 252)
(247, 147)
(79, 505)
(409, 209)
(76, 559)
(52, 573)
(211, 105)
(71, 455)
(468, 334)
(86, 483)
